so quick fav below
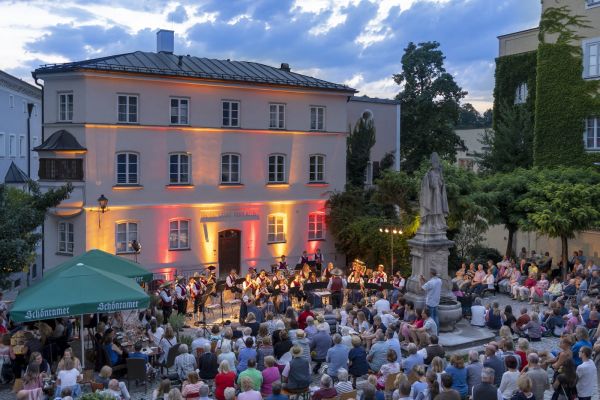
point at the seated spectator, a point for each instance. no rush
(115, 390)
(378, 353)
(253, 374)
(270, 375)
(458, 374)
(248, 389)
(68, 377)
(522, 320)
(246, 354)
(296, 374)
(432, 350)
(208, 364)
(413, 358)
(391, 367)
(553, 292)
(227, 355)
(533, 330)
(417, 374)
(555, 324)
(184, 363)
(448, 391)
(478, 313)
(190, 388)
(224, 379)
(537, 291)
(343, 385)
(326, 390)
(494, 317)
(162, 392)
(276, 395)
(508, 384)
(68, 354)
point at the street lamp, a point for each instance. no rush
(103, 205)
(391, 232)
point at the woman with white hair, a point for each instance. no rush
(343, 385)
(326, 391)
(224, 379)
(248, 392)
(311, 329)
(227, 355)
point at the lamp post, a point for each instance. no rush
(392, 232)
(103, 205)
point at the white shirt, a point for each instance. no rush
(478, 315)
(433, 290)
(587, 384)
(382, 305)
(68, 378)
(199, 343)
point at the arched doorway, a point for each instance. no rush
(230, 242)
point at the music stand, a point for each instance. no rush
(372, 286)
(221, 287)
(353, 286)
(387, 285)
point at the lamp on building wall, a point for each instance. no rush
(137, 249)
(392, 232)
(103, 207)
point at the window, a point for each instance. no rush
(65, 237)
(276, 228)
(466, 163)
(65, 106)
(592, 136)
(2, 144)
(11, 101)
(231, 113)
(12, 146)
(591, 3)
(316, 226)
(180, 111)
(61, 169)
(128, 109)
(22, 146)
(521, 93)
(317, 118)
(369, 174)
(591, 59)
(276, 168)
(127, 169)
(230, 168)
(316, 168)
(277, 116)
(179, 169)
(179, 237)
(126, 233)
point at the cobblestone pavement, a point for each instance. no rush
(547, 343)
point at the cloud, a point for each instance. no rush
(178, 15)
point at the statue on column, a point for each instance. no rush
(433, 199)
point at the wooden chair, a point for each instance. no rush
(349, 395)
(136, 370)
(96, 386)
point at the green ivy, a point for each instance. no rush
(564, 100)
(511, 71)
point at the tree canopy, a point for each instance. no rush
(358, 152)
(430, 100)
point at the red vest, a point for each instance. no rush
(336, 284)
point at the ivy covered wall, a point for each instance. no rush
(563, 101)
(511, 71)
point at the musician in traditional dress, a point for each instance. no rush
(230, 282)
(166, 299)
(249, 286)
(398, 283)
(319, 260)
(283, 263)
(336, 286)
(303, 258)
(298, 282)
(262, 292)
(381, 275)
(196, 288)
(327, 272)
(305, 273)
(283, 297)
(312, 278)
(263, 278)
(181, 295)
(356, 277)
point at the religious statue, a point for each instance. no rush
(433, 200)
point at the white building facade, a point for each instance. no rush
(202, 161)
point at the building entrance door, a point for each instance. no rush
(230, 242)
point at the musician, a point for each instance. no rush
(312, 278)
(262, 292)
(196, 289)
(249, 286)
(305, 273)
(398, 283)
(356, 277)
(166, 300)
(283, 263)
(381, 275)
(263, 278)
(327, 272)
(336, 286)
(303, 258)
(283, 298)
(298, 282)
(252, 271)
(319, 260)
(230, 282)
(181, 294)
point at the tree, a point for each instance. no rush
(500, 195)
(21, 213)
(430, 105)
(468, 117)
(562, 202)
(511, 145)
(358, 151)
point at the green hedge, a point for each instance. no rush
(511, 71)
(563, 102)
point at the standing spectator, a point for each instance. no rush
(394, 344)
(303, 343)
(276, 395)
(224, 379)
(524, 392)
(538, 376)
(184, 363)
(264, 350)
(448, 389)
(166, 342)
(565, 382)
(433, 292)
(486, 390)
(474, 370)
(458, 373)
(583, 339)
(508, 384)
(493, 362)
(283, 345)
(337, 356)
(587, 384)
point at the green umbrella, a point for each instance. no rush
(110, 263)
(77, 290)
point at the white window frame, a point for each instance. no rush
(66, 237)
(369, 174)
(130, 235)
(22, 146)
(177, 231)
(277, 110)
(11, 101)
(2, 144)
(313, 168)
(276, 227)
(521, 93)
(592, 4)
(315, 124)
(596, 133)
(276, 178)
(227, 120)
(12, 145)
(179, 173)
(128, 164)
(66, 105)
(316, 220)
(228, 166)
(129, 117)
(180, 118)
(589, 45)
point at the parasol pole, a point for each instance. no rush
(81, 330)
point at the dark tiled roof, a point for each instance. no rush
(15, 174)
(168, 64)
(60, 141)
(18, 85)
(366, 99)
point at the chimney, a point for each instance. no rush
(165, 41)
(285, 67)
